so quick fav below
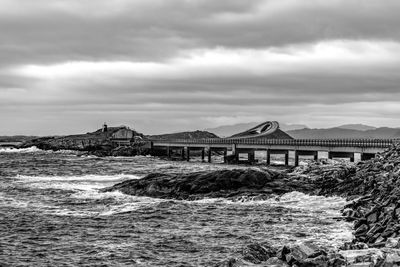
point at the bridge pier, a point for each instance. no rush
(187, 153)
(338, 148)
(217, 149)
(299, 153)
(225, 155)
(367, 156)
(183, 153)
(277, 152)
(250, 155)
(349, 155)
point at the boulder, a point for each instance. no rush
(275, 262)
(392, 258)
(257, 253)
(223, 183)
(306, 254)
(370, 256)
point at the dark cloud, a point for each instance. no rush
(180, 64)
(155, 30)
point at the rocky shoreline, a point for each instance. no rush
(372, 188)
(224, 183)
(88, 144)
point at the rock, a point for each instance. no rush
(369, 256)
(304, 250)
(372, 218)
(353, 246)
(392, 259)
(282, 252)
(392, 242)
(223, 183)
(275, 262)
(257, 253)
(361, 230)
(306, 254)
(320, 261)
(234, 262)
(336, 260)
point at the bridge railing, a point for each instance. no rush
(376, 143)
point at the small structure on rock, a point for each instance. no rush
(123, 136)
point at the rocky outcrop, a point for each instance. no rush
(302, 254)
(308, 255)
(377, 211)
(97, 143)
(224, 183)
(374, 188)
(329, 177)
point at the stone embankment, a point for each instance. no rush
(372, 188)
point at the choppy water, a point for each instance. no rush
(52, 215)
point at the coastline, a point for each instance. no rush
(369, 186)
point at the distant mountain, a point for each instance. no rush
(332, 133)
(291, 127)
(229, 130)
(359, 127)
(184, 135)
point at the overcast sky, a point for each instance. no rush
(168, 65)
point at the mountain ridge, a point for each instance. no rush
(336, 132)
(300, 131)
(229, 130)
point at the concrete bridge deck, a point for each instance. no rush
(336, 148)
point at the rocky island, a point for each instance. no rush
(107, 141)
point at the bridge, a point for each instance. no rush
(336, 148)
(268, 137)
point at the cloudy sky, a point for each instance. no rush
(67, 66)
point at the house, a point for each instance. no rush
(123, 136)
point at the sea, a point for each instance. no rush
(52, 214)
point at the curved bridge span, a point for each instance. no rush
(336, 148)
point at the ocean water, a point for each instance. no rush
(51, 214)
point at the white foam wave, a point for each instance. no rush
(293, 200)
(95, 194)
(298, 200)
(85, 183)
(132, 203)
(67, 212)
(88, 178)
(32, 149)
